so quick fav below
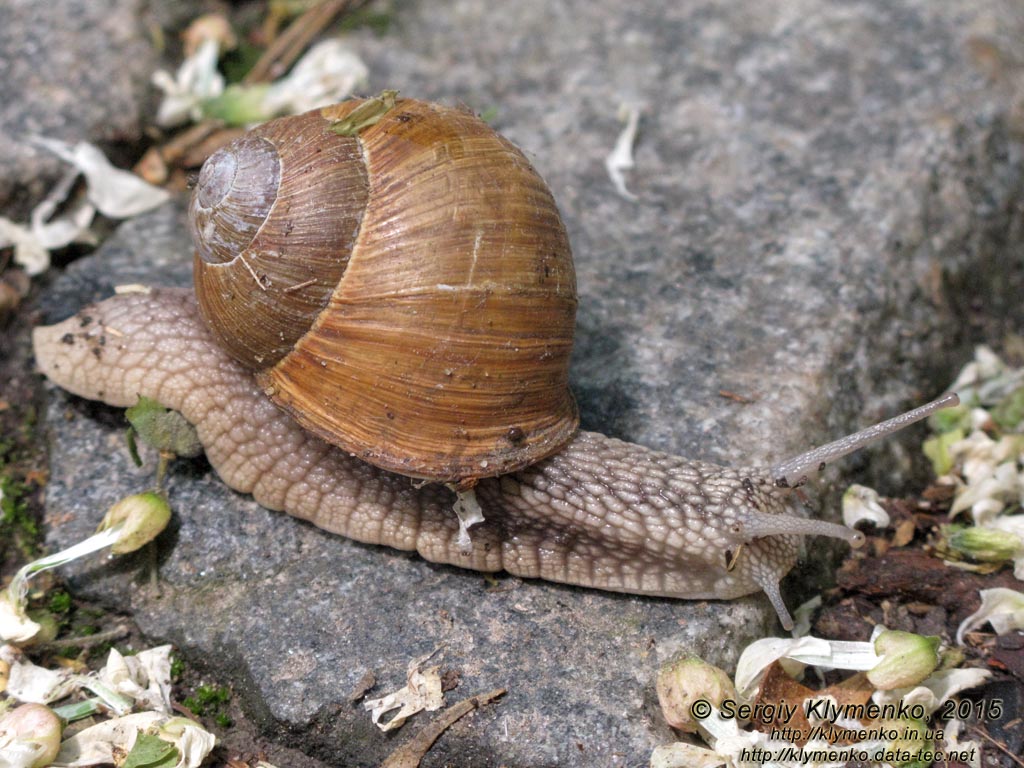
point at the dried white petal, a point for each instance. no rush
(328, 73)
(197, 80)
(194, 743)
(116, 193)
(95, 745)
(144, 677)
(988, 494)
(29, 252)
(862, 503)
(1002, 608)
(422, 692)
(987, 379)
(938, 688)
(680, 755)
(833, 654)
(621, 157)
(468, 510)
(729, 740)
(32, 684)
(52, 230)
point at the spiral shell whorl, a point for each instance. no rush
(236, 189)
(268, 255)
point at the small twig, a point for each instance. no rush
(161, 468)
(283, 52)
(412, 752)
(299, 286)
(735, 396)
(1001, 747)
(88, 641)
(177, 147)
(253, 273)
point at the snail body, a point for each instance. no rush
(583, 509)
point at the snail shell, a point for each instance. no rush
(406, 292)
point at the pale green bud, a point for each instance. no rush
(141, 516)
(937, 450)
(985, 545)
(239, 105)
(907, 659)
(30, 736)
(687, 680)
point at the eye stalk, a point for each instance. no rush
(793, 472)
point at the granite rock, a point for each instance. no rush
(73, 70)
(822, 187)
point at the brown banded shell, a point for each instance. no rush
(406, 293)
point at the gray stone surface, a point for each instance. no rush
(814, 180)
(73, 70)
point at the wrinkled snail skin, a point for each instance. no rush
(602, 513)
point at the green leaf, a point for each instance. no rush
(151, 752)
(167, 431)
(366, 114)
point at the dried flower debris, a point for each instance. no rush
(422, 692)
(135, 689)
(883, 714)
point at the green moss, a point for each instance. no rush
(211, 701)
(16, 524)
(60, 602)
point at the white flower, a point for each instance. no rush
(129, 524)
(988, 494)
(833, 654)
(144, 677)
(114, 192)
(1002, 608)
(32, 684)
(29, 250)
(196, 82)
(862, 503)
(328, 73)
(193, 742)
(932, 693)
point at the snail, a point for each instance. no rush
(424, 329)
